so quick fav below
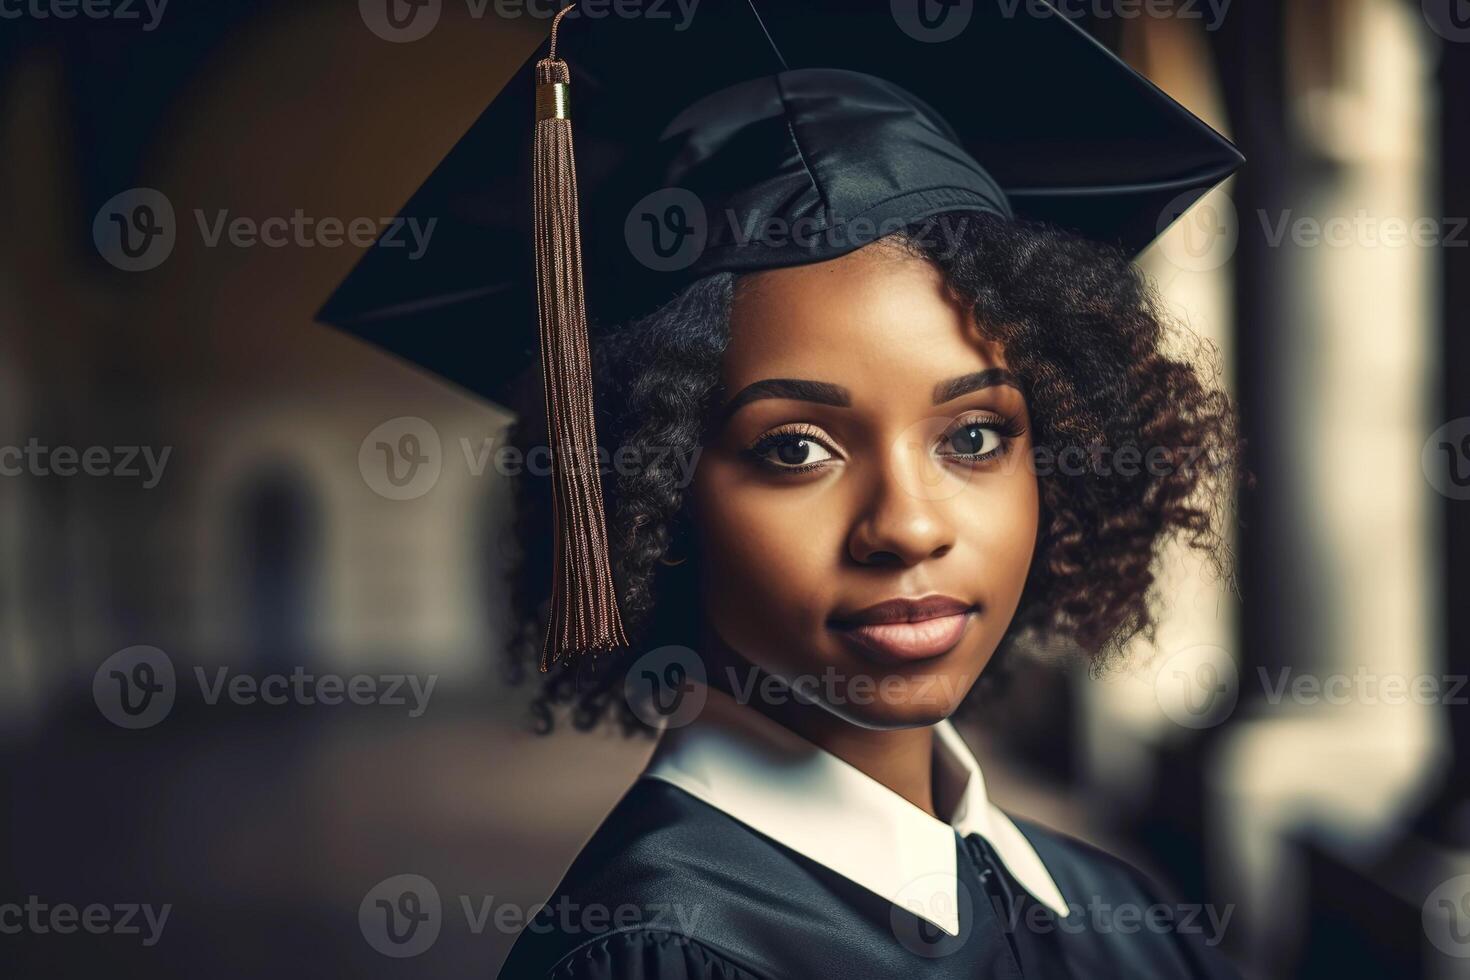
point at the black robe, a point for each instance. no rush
(671, 888)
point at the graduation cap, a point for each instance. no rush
(749, 134)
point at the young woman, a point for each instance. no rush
(880, 504)
(871, 419)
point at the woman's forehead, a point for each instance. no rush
(874, 313)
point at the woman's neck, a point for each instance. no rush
(900, 759)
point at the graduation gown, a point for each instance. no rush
(746, 853)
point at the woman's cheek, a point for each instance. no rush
(768, 557)
(1001, 523)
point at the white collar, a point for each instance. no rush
(777, 783)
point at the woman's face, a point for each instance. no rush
(865, 506)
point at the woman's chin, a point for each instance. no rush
(896, 711)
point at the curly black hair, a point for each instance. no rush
(1078, 323)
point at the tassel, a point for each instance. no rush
(584, 604)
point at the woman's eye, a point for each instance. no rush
(973, 439)
(791, 450)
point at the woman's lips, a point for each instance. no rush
(907, 629)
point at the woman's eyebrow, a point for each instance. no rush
(821, 392)
(966, 383)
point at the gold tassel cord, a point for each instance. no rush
(584, 606)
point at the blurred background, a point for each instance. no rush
(191, 500)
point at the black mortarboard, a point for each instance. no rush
(749, 134)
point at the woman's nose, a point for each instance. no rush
(899, 523)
